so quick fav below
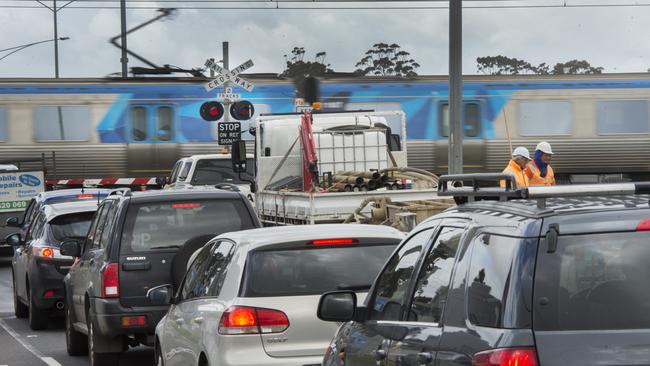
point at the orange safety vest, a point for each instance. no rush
(534, 175)
(515, 170)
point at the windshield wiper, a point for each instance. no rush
(353, 287)
(166, 247)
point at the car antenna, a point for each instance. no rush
(83, 177)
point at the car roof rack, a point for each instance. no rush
(454, 186)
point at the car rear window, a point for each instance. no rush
(72, 225)
(168, 225)
(313, 271)
(75, 198)
(213, 171)
(594, 282)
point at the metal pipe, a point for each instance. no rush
(348, 179)
(455, 86)
(56, 43)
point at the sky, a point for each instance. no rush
(614, 37)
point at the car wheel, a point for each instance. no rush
(98, 359)
(38, 319)
(76, 342)
(20, 310)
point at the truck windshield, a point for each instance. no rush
(168, 225)
(313, 271)
(595, 282)
(72, 225)
(214, 171)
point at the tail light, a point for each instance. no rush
(44, 252)
(506, 357)
(134, 321)
(250, 320)
(644, 225)
(345, 241)
(110, 281)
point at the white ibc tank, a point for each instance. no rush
(358, 150)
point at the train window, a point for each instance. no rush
(394, 122)
(165, 123)
(622, 116)
(471, 119)
(3, 125)
(62, 123)
(545, 117)
(139, 123)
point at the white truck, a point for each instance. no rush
(17, 187)
(209, 170)
(337, 167)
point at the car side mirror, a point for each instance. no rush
(161, 181)
(337, 306)
(71, 248)
(161, 295)
(13, 239)
(238, 156)
(13, 222)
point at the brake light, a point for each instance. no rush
(506, 357)
(110, 281)
(186, 205)
(44, 252)
(334, 242)
(644, 225)
(134, 321)
(48, 294)
(250, 320)
(85, 196)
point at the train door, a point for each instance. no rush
(152, 143)
(473, 146)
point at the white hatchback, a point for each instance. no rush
(250, 297)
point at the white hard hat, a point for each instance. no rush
(544, 147)
(521, 151)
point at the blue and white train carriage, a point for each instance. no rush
(598, 125)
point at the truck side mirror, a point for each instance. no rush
(238, 156)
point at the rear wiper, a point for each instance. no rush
(167, 247)
(353, 287)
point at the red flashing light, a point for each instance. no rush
(334, 242)
(249, 320)
(506, 357)
(644, 225)
(186, 205)
(110, 281)
(134, 321)
(85, 196)
(48, 294)
(214, 111)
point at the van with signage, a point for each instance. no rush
(16, 190)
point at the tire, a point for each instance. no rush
(159, 358)
(38, 319)
(98, 359)
(179, 263)
(76, 342)
(20, 310)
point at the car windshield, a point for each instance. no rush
(213, 171)
(168, 225)
(595, 282)
(71, 225)
(314, 271)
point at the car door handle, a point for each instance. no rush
(198, 320)
(425, 358)
(380, 355)
(179, 321)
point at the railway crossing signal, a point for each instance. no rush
(228, 76)
(242, 110)
(212, 111)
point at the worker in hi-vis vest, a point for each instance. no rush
(516, 166)
(539, 171)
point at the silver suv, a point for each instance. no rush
(250, 297)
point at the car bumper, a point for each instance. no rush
(247, 350)
(47, 275)
(109, 313)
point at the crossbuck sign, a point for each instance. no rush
(230, 76)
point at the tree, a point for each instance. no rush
(574, 67)
(298, 69)
(387, 60)
(502, 65)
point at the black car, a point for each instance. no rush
(38, 267)
(137, 242)
(550, 276)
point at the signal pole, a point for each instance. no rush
(455, 86)
(226, 102)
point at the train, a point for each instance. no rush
(598, 125)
